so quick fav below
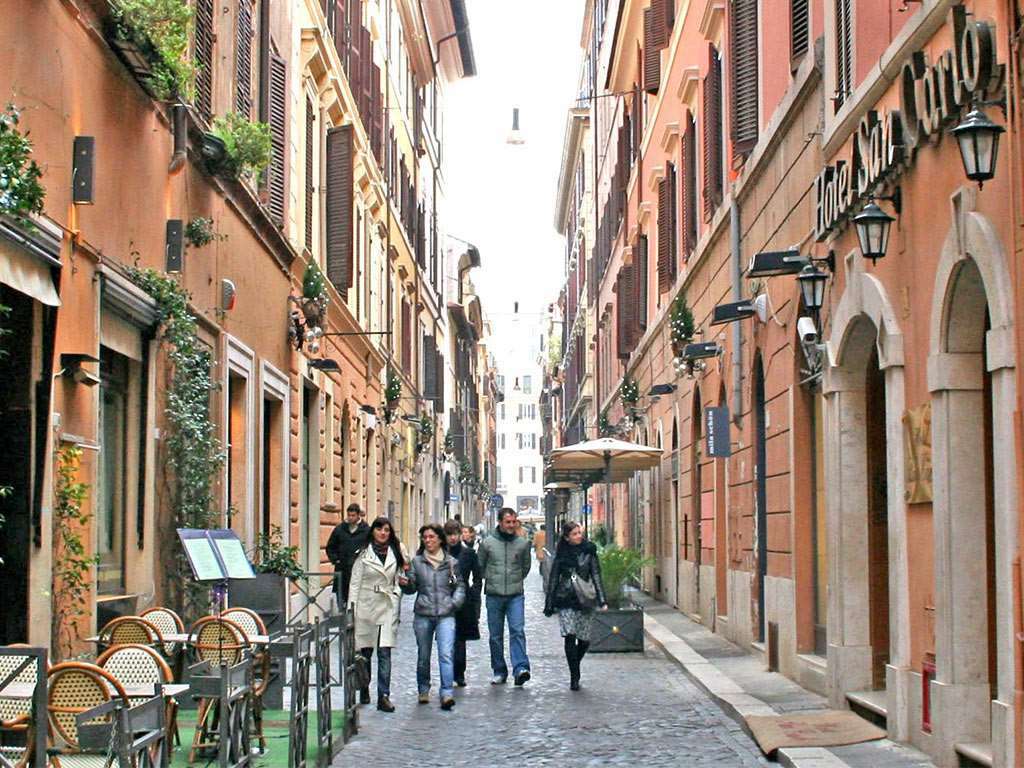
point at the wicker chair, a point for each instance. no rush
(214, 640)
(130, 630)
(140, 664)
(16, 714)
(169, 623)
(253, 625)
(75, 687)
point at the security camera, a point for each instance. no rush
(807, 330)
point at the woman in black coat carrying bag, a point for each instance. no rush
(574, 590)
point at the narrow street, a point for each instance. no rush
(633, 710)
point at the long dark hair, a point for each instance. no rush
(436, 528)
(563, 541)
(393, 542)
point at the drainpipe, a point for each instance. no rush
(180, 133)
(737, 289)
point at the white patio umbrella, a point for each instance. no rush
(616, 458)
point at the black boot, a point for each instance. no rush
(364, 695)
(572, 657)
(581, 649)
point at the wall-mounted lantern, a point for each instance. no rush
(873, 231)
(812, 286)
(978, 139)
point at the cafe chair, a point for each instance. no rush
(73, 688)
(130, 630)
(16, 714)
(168, 623)
(216, 641)
(141, 665)
(253, 625)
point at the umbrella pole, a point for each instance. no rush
(608, 496)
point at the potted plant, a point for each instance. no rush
(681, 324)
(200, 232)
(392, 393)
(621, 627)
(20, 191)
(314, 295)
(267, 594)
(425, 433)
(246, 147)
(152, 38)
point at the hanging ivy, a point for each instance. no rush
(247, 144)
(71, 565)
(194, 454)
(162, 30)
(20, 191)
(199, 232)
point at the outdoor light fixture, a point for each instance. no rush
(772, 263)
(325, 364)
(661, 389)
(515, 137)
(733, 311)
(812, 287)
(978, 139)
(873, 231)
(691, 361)
(71, 366)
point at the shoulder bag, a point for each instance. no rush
(586, 592)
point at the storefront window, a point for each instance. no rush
(113, 426)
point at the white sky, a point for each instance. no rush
(502, 197)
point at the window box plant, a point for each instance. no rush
(621, 628)
(20, 192)
(392, 392)
(681, 324)
(152, 38)
(237, 148)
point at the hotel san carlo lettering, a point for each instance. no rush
(932, 94)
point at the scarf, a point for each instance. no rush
(568, 555)
(381, 551)
(436, 559)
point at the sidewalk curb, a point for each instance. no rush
(729, 696)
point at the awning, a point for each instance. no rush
(27, 274)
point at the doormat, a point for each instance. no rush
(821, 729)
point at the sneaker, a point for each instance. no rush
(522, 677)
(499, 679)
(424, 698)
(384, 704)
(447, 704)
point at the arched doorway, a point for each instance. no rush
(760, 497)
(878, 519)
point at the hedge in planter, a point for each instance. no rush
(620, 629)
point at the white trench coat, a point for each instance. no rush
(376, 598)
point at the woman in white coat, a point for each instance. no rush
(375, 597)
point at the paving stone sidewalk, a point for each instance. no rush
(634, 709)
(738, 681)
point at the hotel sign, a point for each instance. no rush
(932, 95)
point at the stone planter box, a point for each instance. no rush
(618, 630)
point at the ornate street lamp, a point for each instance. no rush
(812, 286)
(873, 231)
(978, 139)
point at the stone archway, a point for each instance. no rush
(971, 378)
(866, 335)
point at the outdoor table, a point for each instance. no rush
(134, 690)
(184, 637)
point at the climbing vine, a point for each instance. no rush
(71, 565)
(194, 454)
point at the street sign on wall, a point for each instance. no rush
(716, 427)
(497, 501)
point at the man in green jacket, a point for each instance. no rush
(505, 562)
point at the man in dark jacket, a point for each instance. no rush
(346, 540)
(467, 618)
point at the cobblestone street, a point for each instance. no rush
(633, 710)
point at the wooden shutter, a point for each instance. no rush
(625, 309)
(689, 187)
(276, 180)
(243, 59)
(439, 372)
(799, 30)
(665, 276)
(672, 177)
(713, 167)
(654, 34)
(844, 51)
(744, 74)
(310, 150)
(339, 229)
(376, 123)
(366, 78)
(429, 363)
(204, 57)
(353, 61)
(637, 119)
(640, 281)
(406, 337)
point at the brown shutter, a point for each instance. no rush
(844, 52)
(625, 308)
(744, 74)
(689, 187)
(673, 207)
(665, 277)
(429, 367)
(406, 337)
(204, 57)
(376, 124)
(243, 59)
(713, 168)
(310, 150)
(799, 30)
(439, 370)
(638, 119)
(339, 228)
(640, 260)
(654, 27)
(353, 62)
(366, 78)
(276, 182)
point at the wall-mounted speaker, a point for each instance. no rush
(82, 167)
(175, 247)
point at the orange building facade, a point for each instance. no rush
(852, 514)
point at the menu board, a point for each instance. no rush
(215, 555)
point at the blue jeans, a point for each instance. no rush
(383, 669)
(512, 607)
(425, 629)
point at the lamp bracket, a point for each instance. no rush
(896, 198)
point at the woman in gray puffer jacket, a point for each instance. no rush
(440, 591)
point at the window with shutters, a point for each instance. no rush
(744, 74)
(244, 36)
(688, 186)
(799, 31)
(406, 351)
(277, 113)
(658, 21)
(339, 230)
(625, 310)
(429, 387)
(714, 147)
(203, 57)
(844, 52)
(640, 282)
(311, 145)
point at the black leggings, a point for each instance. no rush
(574, 651)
